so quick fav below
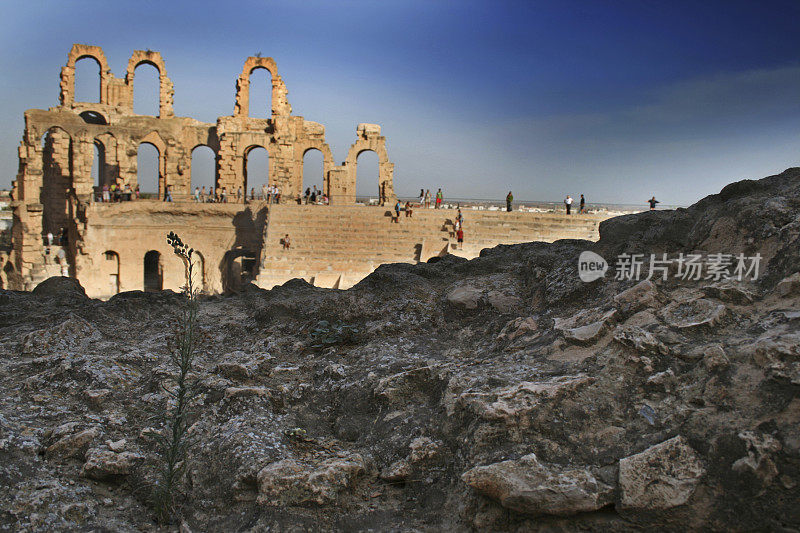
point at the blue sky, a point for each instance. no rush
(619, 100)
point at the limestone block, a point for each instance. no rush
(528, 486)
(661, 477)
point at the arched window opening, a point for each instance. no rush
(93, 117)
(367, 174)
(109, 268)
(313, 171)
(260, 94)
(256, 170)
(204, 166)
(87, 80)
(99, 165)
(153, 273)
(146, 90)
(147, 170)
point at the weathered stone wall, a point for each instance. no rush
(337, 246)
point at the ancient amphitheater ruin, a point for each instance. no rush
(114, 247)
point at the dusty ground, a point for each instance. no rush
(498, 394)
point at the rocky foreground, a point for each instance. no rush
(498, 394)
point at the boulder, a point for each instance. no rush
(104, 463)
(528, 486)
(661, 477)
(695, 313)
(61, 286)
(73, 444)
(464, 297)
(291, 482)
(788, 286)
(641, 296)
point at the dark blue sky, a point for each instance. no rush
(618, 100)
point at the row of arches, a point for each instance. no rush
(203, 165)
(147, 89)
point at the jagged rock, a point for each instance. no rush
(639, 339)
(422, 450)
(759, 459)
(693, 314)
(73, 333)
(788, 286)
(246, 392)
(503, 302)
(511, 404)
(291, 482)
(729, 292)
(61, 286)
(234, 371)
(104, 463)
(714, 357)
(97, 397)
(641, 296)
(518, 327)
(72, 444)
(528, 486)
(661, 477)
(464, 297)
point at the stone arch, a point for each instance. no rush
(153, 279)
(166, 91)
(369, 138)
(83, 68)
(327, 164)
(94, 117)
(155, 140)
(249, 181)
(81, 51)
(194, 180)
(242, 107)
(109, 272)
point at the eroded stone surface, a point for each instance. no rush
(661, 477)
(528, 486)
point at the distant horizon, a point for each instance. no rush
(619, 102)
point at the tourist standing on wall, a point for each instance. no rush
(409, 210)
(582, 205)
(168, 197)
(306, 195)
(459, 220)
(428, 199)
(137, 191)
(203, 194)
(509, 199)
(652, 201)
(239, 195)
(397, 212)
(197, 195)
(439, 198)
(568, 203)
(460, 237)
(421, 197)
(286, 242)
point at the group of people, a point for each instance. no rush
(117, 193)
(425, 198)
(581, 207)
(314, 196)
(220, 195)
